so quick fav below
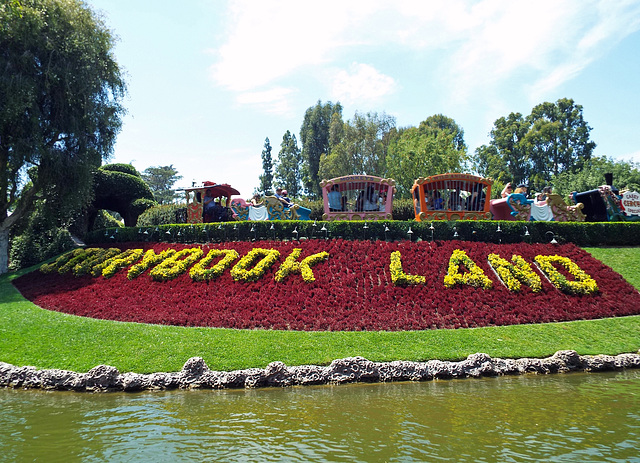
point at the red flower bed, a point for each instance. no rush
(352, 291)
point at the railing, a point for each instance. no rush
(452, 196)
(358, 197)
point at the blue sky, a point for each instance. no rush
(209, 80)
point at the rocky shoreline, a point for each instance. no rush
(196, 375)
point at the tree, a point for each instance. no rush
(506, 158)
(417, 152)
(437, 122)
(626, 176)
(266, 179)
(288, 170)
(315, 139)
(557, 140)
(60, 93)
(160, 180)
(552, 140)
(362, 149)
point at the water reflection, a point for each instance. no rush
(572, 417)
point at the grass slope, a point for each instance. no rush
(30, 335)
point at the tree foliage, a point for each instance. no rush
(266, 179)
(60, 93)
(505, 158)
(288, 172)
(552, 140)
(439, 122)
(160, 180)
(429, 149)
(315, 136)
(626, 176)
(359, 147)
(557, 140)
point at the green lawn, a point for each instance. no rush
(33, 336)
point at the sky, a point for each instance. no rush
(210, 80)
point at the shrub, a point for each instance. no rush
(403, 209)
(105, 220)
(166, 214)
(35, 245)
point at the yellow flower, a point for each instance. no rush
(291, 265)
(583, 283)
(200, 272)
(241, 272)
(175, 265)
(474, 276)
(398, 277)
(513, 274)
(109, 267)
(149, 260)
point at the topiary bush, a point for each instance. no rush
(121, 189)
(124, 168)
(403, 209)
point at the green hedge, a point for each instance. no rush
(581, 234)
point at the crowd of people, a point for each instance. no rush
(367, 199)
(455, 200)
(371, 199)
(523, 189)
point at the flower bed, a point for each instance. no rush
(334, 285)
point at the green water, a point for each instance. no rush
(567, 418)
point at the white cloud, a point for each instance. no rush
(476, 48)
(271, 39)
(362, 83)
(607, 25)
(273, 101)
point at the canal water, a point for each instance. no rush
(575, 417)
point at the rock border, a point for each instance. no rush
(196, 375)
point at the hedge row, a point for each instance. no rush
(579, 233)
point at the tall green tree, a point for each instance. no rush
(557, 140)
(421, 152)
(552, 140)
(288, 172)
(315, 139)
(266, 179)
(160, 180)
(438, 122)
(362, 149)
(505, 159)
(60, 98)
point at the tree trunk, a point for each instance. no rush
(4, 250)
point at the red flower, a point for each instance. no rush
(352, 291)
